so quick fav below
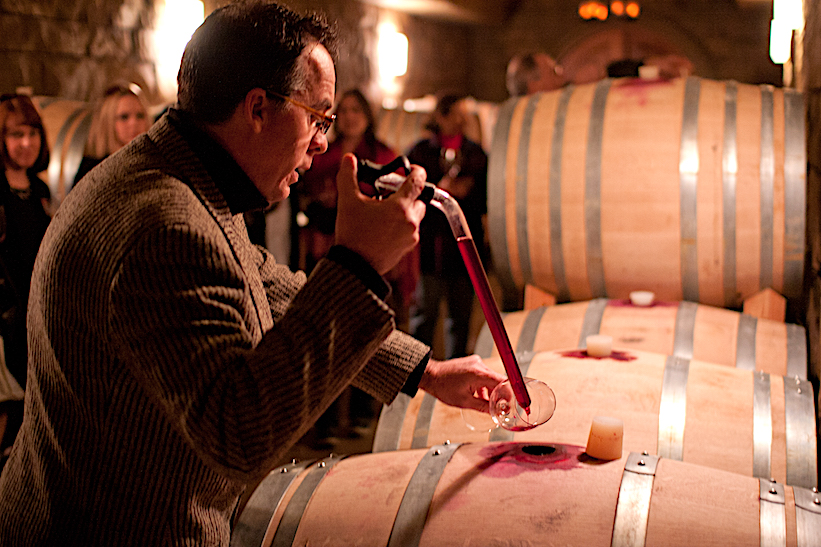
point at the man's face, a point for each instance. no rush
(292, 138)
(551, 75)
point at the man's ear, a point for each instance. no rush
(253, 108)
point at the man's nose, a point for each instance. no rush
(319, 144)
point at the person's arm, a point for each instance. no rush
(184, 324)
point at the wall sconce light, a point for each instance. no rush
(789, 13)
(392, 52)
(392, 62)
(780, 42)
(176, 22)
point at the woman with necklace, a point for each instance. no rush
(25, 212)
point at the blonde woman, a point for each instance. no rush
(120, 116)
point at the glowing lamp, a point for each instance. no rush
(392, 52)
(176, 22)
(632, 9)
(617, 8)
(780, 42)
(789, 13)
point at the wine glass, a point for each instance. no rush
(505, 411)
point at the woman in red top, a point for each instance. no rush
(354, 132)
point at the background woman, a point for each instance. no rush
(119, 116)
(459, 166)
(354, 132)
(25, 201)
(25, 207)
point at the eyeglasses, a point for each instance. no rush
(323, 121)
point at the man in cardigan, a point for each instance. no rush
(172, 363)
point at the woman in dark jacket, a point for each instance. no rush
(459, 166)
(25, 212)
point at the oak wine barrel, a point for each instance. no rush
(534, 494)
(690, 188)
(753, 423)
(681, 329)
(67, 124)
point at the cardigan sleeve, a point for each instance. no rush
(386, 373)
(180, 306)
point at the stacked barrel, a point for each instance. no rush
(67, 124)
(520, 493)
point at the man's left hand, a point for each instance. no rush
(464, 382)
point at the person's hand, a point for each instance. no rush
(380, 231)
(465, 382)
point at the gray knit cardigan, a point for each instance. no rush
(172, 362)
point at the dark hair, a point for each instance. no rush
(370, 131)
(22, 105)
(526, 70)
(443, 107)
(242, 46)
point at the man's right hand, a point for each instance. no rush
(380, 231)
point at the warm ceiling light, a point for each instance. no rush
(789, 13)
(632, 9)
(617, 8)
(593, 10)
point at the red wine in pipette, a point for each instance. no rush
(384, 180)
(494, 320)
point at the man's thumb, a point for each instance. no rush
(346, 184)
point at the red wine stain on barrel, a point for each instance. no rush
(506, 460)
(636, 89)
(582, 354)
(627, 303)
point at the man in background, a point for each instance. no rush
(532, 72)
